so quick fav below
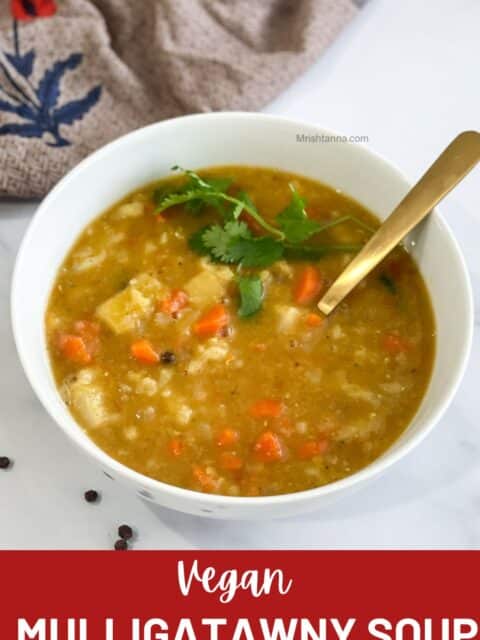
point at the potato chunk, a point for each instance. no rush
(214, 350)
(123, 311)
(130, 210)
(148, 285)
(85, 260)
(208, 286)
(287, 318)
(85, 395)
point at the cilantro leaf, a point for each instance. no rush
(219, 239)
(255, 252)
(219, 184)
(196, 193)
(196, 243)
(234, 243)
(195, 182)
(294, 222)
(160, 193)
(207, 186)
(195, 200)
(171, 198)
(251, 295)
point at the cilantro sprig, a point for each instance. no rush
(207, 192)
(232, 242)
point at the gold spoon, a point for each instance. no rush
(461, 155)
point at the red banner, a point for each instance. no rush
(233, 595)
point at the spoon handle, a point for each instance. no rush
(461, 155)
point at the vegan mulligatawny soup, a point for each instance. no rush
(185, 339)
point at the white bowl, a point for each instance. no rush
(234, 138)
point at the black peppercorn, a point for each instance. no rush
(91, 495)
(168, 357)
(121, 545)
(125, 532)
(5, 462)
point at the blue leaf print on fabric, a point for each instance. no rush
(38, 105)
(25, 130)
(23, 64)
(22, 110)
(48, 90)
(76, 109)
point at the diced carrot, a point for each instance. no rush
(143, 351)
(212, 322)
(161, 218)
(74, 348)
(89, 331)
(176, 447)
(175, 302)
(267, 408)
(312, 448)
(308, 285)
(230, 461)
(268, 447)
(207, 482)
(227, 437)
(314, 320)
(394, 344)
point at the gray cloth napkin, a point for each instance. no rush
(75, 74)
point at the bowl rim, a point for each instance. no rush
(77, 435)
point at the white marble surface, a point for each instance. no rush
(405, 74)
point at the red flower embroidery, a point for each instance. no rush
(28, 9)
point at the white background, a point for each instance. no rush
(404, 73)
